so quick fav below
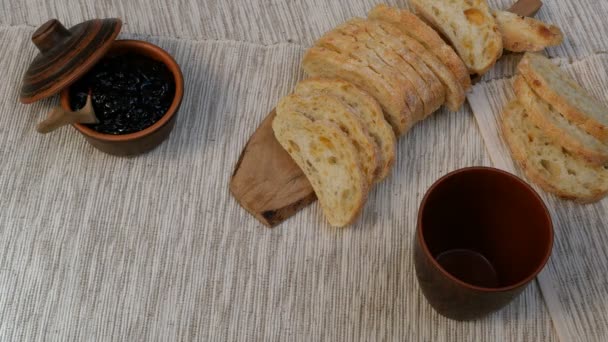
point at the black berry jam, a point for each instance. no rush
(129, 92)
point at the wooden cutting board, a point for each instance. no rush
(269, 184)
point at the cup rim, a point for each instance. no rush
(171, 64)
(436, 264)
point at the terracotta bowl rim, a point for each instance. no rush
(531, 191)
(164, 57)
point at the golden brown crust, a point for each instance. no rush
(359, 29)
(455, 95)
(322, 62)
(469, 26)
(433, 92)
(363, 105)
(538, 178)
(291, 128)
(511, 122)
(425, 35)
(323, 107)
(546, 91)
(351, 39)
(521, 34)
(569, 136)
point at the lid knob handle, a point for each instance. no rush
(49, 35)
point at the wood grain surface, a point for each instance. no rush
(266, 181)
(154, 248)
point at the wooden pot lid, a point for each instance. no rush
(65, 55)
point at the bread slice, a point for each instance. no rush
(322, 62)
(548, 165)
(393, 51)
(330, 162)
(469, 26)
(570, 136)
(348, 45)
(365, 107)
(521, 34)
(413, 26)
(567, 97)
(358, 29)
(328, 108)
(455, 94)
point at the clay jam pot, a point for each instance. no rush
(483, 235)
(146, 139)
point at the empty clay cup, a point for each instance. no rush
(483, 234)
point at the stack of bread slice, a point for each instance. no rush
(385, 56)
(338, 136)
(371, 80)
(557, 132)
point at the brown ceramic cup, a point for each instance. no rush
(483, 234)
(146, 139)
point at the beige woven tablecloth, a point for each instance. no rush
(153, 248)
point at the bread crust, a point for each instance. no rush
(349, 46)
(569, 136)
(359, 30)
(425, 35)
(322, 62)
(328, 108)
(596, 125)
(292, 126)
(520, 34)
(435, 92)
(512, 120)
(367, 109)
(455, 95)
(465, 24)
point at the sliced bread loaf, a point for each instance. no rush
(358, 29)
(526, 34)
(469, 26)
(546, 163)
(570, 136)
(322, 62)
(367, 110)
(429, 87)
(328, 108)
(455, 94)
(349, 46)
(413, 26)
(563, 93)
(330, 162)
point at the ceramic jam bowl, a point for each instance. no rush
(150, 137)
